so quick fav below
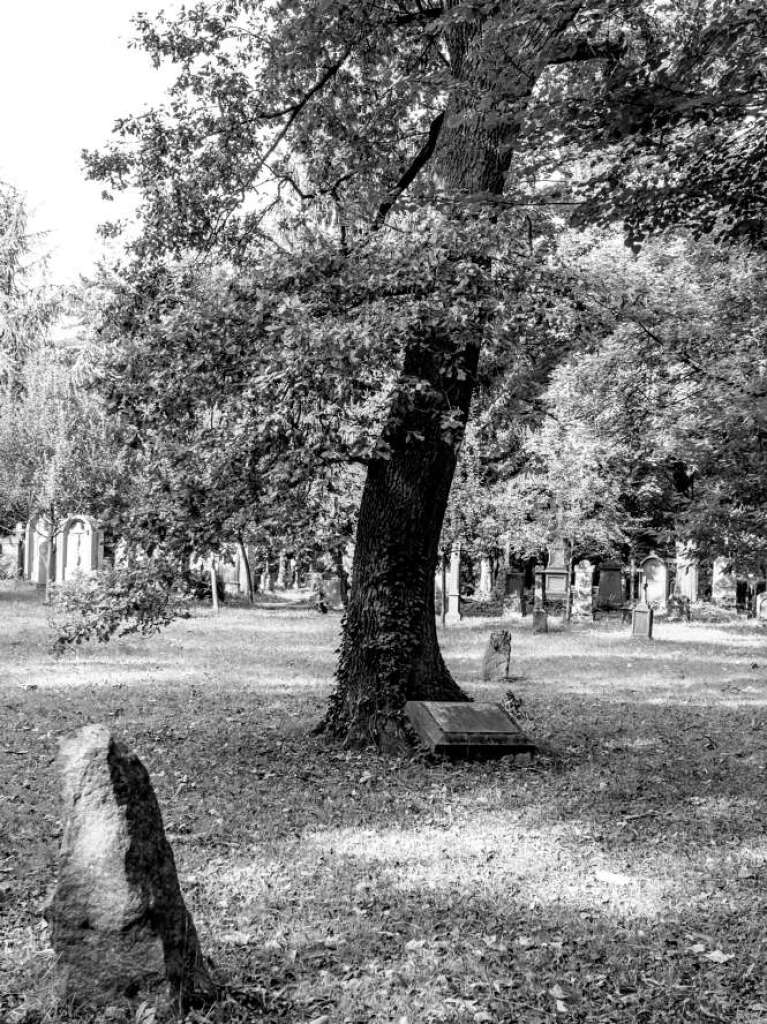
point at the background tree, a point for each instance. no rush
(343, 112)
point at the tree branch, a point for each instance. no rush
(567, 49)
(420, 160)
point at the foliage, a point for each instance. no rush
(363, 179)
(28, 304)
(141, 596)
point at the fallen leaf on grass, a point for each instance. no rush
(718, 957)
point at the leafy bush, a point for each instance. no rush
(140, 597)
(7, 567)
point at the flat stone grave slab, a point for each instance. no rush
(470, 729)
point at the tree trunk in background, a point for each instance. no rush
(213, 587)
(343, 578)
(50, 562)
(248, 574)
(389, 651)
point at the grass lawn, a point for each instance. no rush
(622, 879)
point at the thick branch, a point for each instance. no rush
(420, 160)
(318, 86)
(567, 49)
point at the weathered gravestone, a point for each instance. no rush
(495, 664)
(118, 920)
(485, 586)
(470, 729)
(582, 596)
(514, 585)
(760, 606)
(331, 586)
(36, 546)
(454, 585)
(79, 548)
(610, 596)
(642, 618)
(540, 620)
(655, 576)
(724, 584)
(687, 572)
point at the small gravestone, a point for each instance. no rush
(495, 664)
(642, 620)
(119, 924)
(467, 729)
(540, 621)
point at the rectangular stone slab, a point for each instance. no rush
(473, 729)
(642, 622)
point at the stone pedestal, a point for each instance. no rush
(453, 585)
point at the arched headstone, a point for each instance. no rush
(79, 547)
(37, 545)
(655, 574)
(724, 586)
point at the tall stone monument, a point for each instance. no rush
(454, 585)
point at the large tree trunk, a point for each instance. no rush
(389, 651)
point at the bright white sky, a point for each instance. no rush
(66, 74)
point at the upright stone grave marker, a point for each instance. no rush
(724, 585)
(642, 618)
(513, 590)
(555, 576)
(485, 588)
(454, 585)
(79, 547)
(495, 664)
(687, 573)
(655, 575)
(583, 595)
(119, 924)
(36, 547)
(610, 596)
